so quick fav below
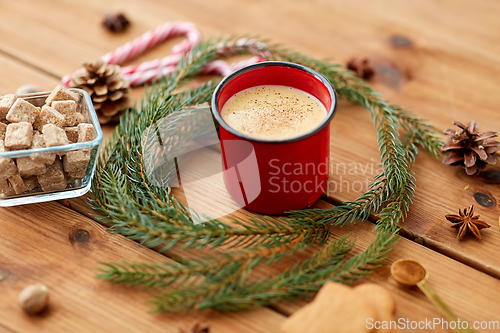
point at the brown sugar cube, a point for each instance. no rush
(27, 167)
(79, 119)
(85, 132)
(54, 186)
(3, 130)
(49, 115)
(18, 135)
(4, 162)
(72, 133)
(22, 111)
(17, 183)
(31, 183)
(2, 146)
(8, 170)
(76, 160)
(68, 110)
(61, 94)
(54, 136)
(54, 174)
(5, 188)
(77, 174)
(6, 103)
(39, 142)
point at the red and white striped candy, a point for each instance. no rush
(156, 69)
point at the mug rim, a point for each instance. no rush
(227, 80)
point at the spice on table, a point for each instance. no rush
(34, 298)
(197, 328)
(106, 86)
(115, 22)
(362, 68)
(28, 89)
(466, 221)
(470, 148)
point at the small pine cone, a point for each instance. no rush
(107, 88)
(470, 148)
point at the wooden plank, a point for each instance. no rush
(448, 277)
(46, 243)
(447, 71)
(4, 329)
(61, 249)
(344, 26)
(14, 74)
(440, 190)
(429, 78)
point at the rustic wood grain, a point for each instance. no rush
(443, 64)
(14, 74)
(47, 243)
(50, 244)
(426, 61)
(448, 277)
(445, 277)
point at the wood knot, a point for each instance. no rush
(400, 42)
(491, 176)
(484, 199)
(81, 236)
(420, 240)
(390, 74)
(4, 274)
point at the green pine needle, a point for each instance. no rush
(148, 213)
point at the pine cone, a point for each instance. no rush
(470, 148)
(106, 86)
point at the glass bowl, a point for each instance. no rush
(76, 186)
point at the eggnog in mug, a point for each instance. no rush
(273, 112)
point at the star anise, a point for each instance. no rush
(362, 68)
(466, 221)
(115, 22)
(197, 328)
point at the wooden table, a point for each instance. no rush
(440, 59)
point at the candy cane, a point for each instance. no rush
(154, 37)
(221, 67)
(148, 40)
(156, 69)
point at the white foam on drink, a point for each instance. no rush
(273, 112)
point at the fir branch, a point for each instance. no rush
(228, 297)
(419, 132)
(148, 213)
(397, 171)
(212, 268)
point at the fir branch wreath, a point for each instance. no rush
(149, 214)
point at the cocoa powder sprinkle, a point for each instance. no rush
(273, 112)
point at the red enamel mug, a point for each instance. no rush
(275, 176)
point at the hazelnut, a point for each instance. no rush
(28, 89)
(34, 298)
